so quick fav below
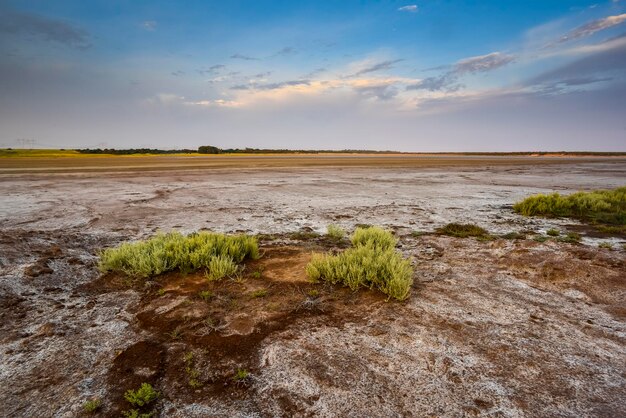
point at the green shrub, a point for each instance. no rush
(540, 238)
(606, 245)
(220, 266)
(134, 413)
(241, 375)
(462, 230)
(92, 406)
(372, 263)
(217, 253)
(334, 232)
(553, 232)
(600, 206)
(374, 237)
(571, 237)
(142, 396)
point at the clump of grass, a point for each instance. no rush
(612, 229)
(142, 396)
(134, 413)
(571, 237)
(241, 377)
(513, 235)
(553, 232)
(205, 295)
(218, 254)
(606, 245)
(599, 206)
(176, 333)
(462, 231)
(375, 237)
(92, 406)
(191, 371)
(334, 232)
(417, 234)
(220, 266)
(261, 293)
(372, 263)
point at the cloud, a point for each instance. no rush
(212, 70)
(16, 23)
(271, 86)
(288, 50)
(601, 64)
(448, 81)
(412, 8)
(149, 25)
(590, 28)
(482, 63)
(243, 57)
(384, 65)
(383, 91)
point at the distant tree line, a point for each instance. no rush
(209, 149)
(134, 151)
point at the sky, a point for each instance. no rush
(427, 75)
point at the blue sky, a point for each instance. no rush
(431, 75)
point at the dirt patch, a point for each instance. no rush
(219, 324)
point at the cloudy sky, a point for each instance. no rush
(429, 75)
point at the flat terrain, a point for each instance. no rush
(499, 328)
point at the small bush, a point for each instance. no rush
(217, 253)
(142, 396)
(92, 406)
(462, 230)
(600, 206)
(334, 232)
(241, 374)
(372, 263)
(540, 238)
(374, 237)
(606, 245)
(134, 413)
(553, 232)
(220, 266)
(571, 237)
(206, 295)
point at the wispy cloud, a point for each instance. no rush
(411, 8)
(590, 28)
(483, 63)
(212, 70)
(379, 66)
(288, 50)
(271, 86)
(449, 79)
(17, 23)
(149, 25)
(243, 57)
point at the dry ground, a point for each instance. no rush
(500, 328)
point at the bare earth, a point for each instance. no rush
(501, 328)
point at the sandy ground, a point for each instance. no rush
(500, 328)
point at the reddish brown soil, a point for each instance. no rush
(223, 331)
